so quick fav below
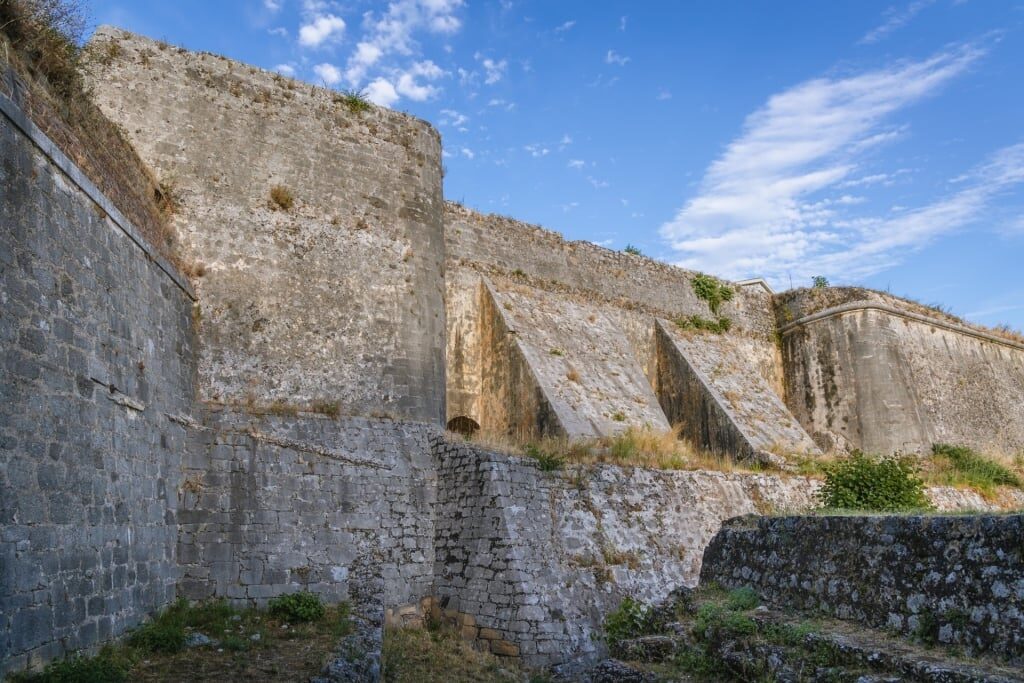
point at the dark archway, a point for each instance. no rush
(461, 424)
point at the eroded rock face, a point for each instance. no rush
(955, 580)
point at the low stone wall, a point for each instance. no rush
(958, 580)
(529, 562)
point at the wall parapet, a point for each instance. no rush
(866, 305)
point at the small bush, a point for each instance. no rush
(711, 290)
(297, 607)
(630, 619)
(355, 101)
(282, 197)
(166, 633)
(698, 322)
(819, 282)
(630, 249)
(742, 599)
(329, 408)
(973, 469)
(619, 416)
(715, 622)
(862, 482)
(546, 460)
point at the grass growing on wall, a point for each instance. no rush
(632, 447)
(873, 484)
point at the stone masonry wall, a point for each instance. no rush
(958, 580)
(529, 562)
(96, 342)
(882, 380)
(339, 299)
(271, 504)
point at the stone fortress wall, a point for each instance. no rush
(279, 426)
(340, 298)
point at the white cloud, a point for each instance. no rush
(328, 73)
(450, 117)
(576, 163)
(467, 152)
(408, 86)
(280, 31)
(566, 26)
(393, 31)
(895, 19)
(285, 69)
(664, 95)
(615, 58)
(760, 208)
(382, 92)
(622, 23)
(537, 150)
(566, 140)
(503, 104)
(272, 5)
(324, 28)
(599, 184)
(493, 71)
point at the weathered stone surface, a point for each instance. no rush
(88, 485)
(539, 558)
(954, 580)
(614, 671)
(870, 371)
(340, 298)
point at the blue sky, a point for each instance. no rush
(875, 143)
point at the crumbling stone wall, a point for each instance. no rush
(338, 299)
(954, 580)
(529, 562)
(96, 349)
(880, 375)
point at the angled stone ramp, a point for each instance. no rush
(580, 358)
(711, 384)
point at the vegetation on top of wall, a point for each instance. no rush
(819, 282)
(354, 100)
(960, 466)
(632, 447)
(213, 641)
(635, 251)
(631, 619)
(873, 484)
(41, 41)
(712, 290)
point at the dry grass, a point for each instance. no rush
(281, 198)
(40, 39)
(633, 447)
(439, 655)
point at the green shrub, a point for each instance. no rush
(630, 619)
(546, 460)
(297, 607)
(355, 101)
(715, 622)
(742, 599)
(630, 249)
(712, 290)
(863, 482)
(698, 322)
(103, 668)
(166, 633)
(974, 469)
(819, 281)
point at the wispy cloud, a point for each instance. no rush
(576, 163)
(493, 70)
(764, 206)
(328, 73)
(613, 57)
(895, 18)
(566, 26)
